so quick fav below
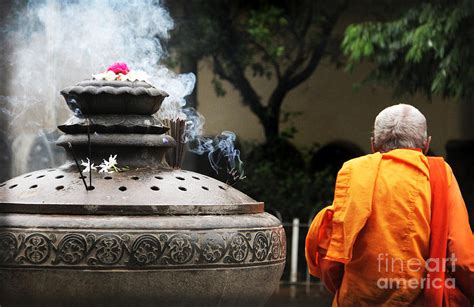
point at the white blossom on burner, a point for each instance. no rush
(134, 75)
(109, 166)
(107, 76)
(88, 166)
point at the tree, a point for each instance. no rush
(428, 49)
(285, 40)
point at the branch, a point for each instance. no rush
(291, 79)
(274, 63)
(313, 62)
(238, 80)
(299, 60)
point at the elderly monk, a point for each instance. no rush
(397, 232)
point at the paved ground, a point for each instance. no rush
(300, 296)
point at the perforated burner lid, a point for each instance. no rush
(133, 192)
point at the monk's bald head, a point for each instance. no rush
(400, 126)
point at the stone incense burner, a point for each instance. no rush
(150, 235)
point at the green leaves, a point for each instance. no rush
(263, 26)
(357, 43)
(426, 49)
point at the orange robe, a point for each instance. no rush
(371, 244)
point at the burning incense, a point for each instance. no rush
(177, 129)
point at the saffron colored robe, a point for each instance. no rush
(370, 246)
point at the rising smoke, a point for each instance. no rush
(58, 43)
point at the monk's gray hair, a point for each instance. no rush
(400, 126)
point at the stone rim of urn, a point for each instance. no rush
(149, 234)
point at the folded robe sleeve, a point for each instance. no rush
(317, 240)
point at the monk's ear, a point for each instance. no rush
(372, 145)
(427, 145)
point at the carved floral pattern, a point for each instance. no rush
(71, 250)
(8, 247)
(109, 249)
(181, 249)
(37, 248)
(276, 246)
(146, 250)
(213, 248)
(239, 248)
(154, 250)
(260, 246)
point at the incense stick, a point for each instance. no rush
(90, 154)
(78, 166)
(177, 130)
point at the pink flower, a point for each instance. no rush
(119, 68)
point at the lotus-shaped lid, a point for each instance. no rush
(113, 97)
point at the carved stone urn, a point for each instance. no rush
(147, 236)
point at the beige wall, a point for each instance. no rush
(332, 110)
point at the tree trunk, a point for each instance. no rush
(271, 126)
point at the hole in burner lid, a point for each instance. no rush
(180, 178)
(34, 186)
(59, 177)
(123, 189)
(2, 185)
(135, 178)
(29, 175)
(159, 177)
(197, 178)
(155, 188)
(222, 188)
(182, 188)
(40, 176)
(107, 177)
(13, 186)
(59, 187)
(51, 170)
(205, 188)
(90, 188)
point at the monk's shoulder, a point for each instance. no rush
(357, 166)
(362, 161)
(449, 173)
(449, 170)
